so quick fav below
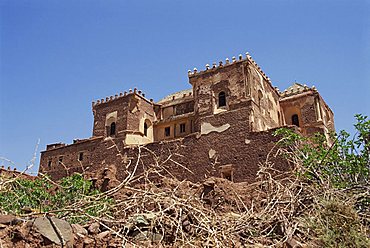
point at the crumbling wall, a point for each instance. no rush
(65, 160)
(223, 140)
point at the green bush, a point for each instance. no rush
(73, 198)
(342, 161)
(337, 170)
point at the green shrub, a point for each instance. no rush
(73, 198)
(344, 162)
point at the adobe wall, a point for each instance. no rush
(118, 108)
(208, 84)
(181, 111)
(265, 108)
(50, 159)
(222, 140)
(313, 113)
(128, 111)
(174, 124)
(8, 174)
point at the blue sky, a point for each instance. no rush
(56, 57)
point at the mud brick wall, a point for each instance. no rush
(130, 109)
(208, 84)
(101, 110)
(224, 139)
(204, 156)
(50, 160)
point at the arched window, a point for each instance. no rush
(112, 130)
(145, 129)
(221, 99)
(295, 120)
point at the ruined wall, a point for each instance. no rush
(65, 160)
(7, 173)
(224, 140)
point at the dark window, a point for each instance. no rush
(145, 129)
(112, 129)
(167, 131)
(295, 120)
(182, 128)
(221, 99)
(80, 156)
(60, 159)
(49, 164)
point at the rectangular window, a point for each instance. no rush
(167, 131)
(80, 156)
(182, 128)
(49, 164)
(60, 159)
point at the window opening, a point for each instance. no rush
(145, 129)
(80, 156)
(221, 99)
(49, 164)
(167, 131)
(182, 128)
(112, 129)
(295, 120)
(60, 159)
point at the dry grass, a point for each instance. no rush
(284, 211)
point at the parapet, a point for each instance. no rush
(221, 64)
(181, 95)
(121, 95)
(296, 89)
(55, 145)
(227, 63)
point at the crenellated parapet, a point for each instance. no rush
(130, 92)
(221, 64)
(296, 89)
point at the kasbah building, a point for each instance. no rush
(223, 127)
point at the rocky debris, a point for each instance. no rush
(56, 230)
(7, 219)
(79, 230)
(102, 235)
(94, 228)
(167, 213)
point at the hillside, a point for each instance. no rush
(323, 202)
